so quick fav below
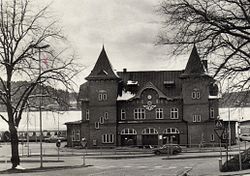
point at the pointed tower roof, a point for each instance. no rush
(194, 65)
(103, 68)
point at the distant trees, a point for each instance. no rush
(32, 50)
(219, 28)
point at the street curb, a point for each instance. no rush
(35, 160)
(44, 169)
(191, 157)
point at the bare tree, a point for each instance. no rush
(31, 49)
(219, 28)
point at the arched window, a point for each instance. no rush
(127, 131)
(102, 95)
(171, 131)
(196, 94)
(174, 113)
(149, 131)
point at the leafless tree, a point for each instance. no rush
(31, 49)
(219, 28)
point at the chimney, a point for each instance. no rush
(204, 62)
(124, 70)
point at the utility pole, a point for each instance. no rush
(40, 103)
(229, 123)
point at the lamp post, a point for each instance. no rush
(229, 124)
(40, 102)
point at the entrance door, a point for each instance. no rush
(128, 140)
(171, 138)
(149, 139)
(171, 135)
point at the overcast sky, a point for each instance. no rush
(127, 28)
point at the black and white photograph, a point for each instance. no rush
(125, 87)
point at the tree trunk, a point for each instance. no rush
(15, 160)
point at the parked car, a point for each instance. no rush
(167, 149)
(54, 139)
(245, 137)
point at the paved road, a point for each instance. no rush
(153, 166)
(148, 166)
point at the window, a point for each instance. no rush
(87, 114)
(108, 138)
(212, 137)
(97, 125)
(174, 114)
(196, 94)
(196, 118)
(123, 114)
(149, 131)
(75, 135)
(102, 95)
(212, 113)
(101, 120)
(171, 131)
(128, 131)
(139, 113)
(159, 113)
(106, 115)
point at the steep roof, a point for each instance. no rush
(103, 68)
(194, 65)
(156, 78)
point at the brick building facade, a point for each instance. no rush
(146, 107)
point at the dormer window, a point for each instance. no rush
(196, 94)
(102, 95)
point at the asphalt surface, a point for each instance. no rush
(124, 161)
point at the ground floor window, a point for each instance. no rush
(108, 138)
(75, 135)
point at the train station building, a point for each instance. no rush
(141, 108)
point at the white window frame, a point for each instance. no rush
(105, 96)
(212, 137)
(212, 113)
(106, 116)
(108, 138)
(174, 113)
(123, 114)
(87, 114)
(139, 113)
(159, 113)
(196, 95)
(101, 120)
(102, 95)
(149, 131)
(129, 131)
(97, 125)
(196, 118)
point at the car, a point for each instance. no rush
(167, 149)
(245, 137)
(54, 139)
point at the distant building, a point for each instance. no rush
(143, 108)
